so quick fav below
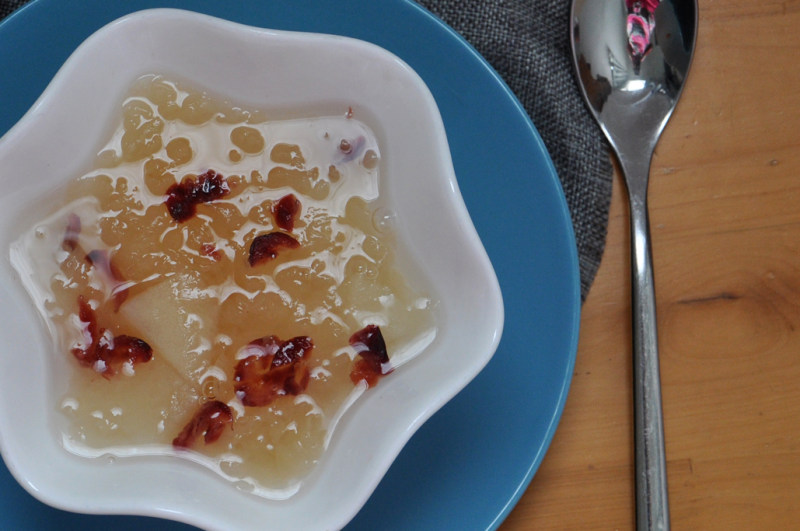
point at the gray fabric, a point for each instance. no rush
(9, 6)
(527, 42)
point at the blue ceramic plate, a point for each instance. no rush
(468, 465)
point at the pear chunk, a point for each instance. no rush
(178, 320)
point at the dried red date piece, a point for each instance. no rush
(374, 362)
(285, 211)
(265, 247)
(209, 422)
(71, 234)
(119, 291)
(128, 348)
(272, 368)
(183, 197)
(103, 351)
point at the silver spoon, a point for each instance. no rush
(632, 58)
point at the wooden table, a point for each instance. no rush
(725, 221)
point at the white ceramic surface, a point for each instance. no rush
(320, 74)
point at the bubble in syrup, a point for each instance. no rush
(70, 403)
(370, 160)
(384, 219)
(231, 467)
(369, 272)
(244, 486)
(210, 386)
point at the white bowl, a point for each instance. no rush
(265, 69)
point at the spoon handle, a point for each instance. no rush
(652, 504)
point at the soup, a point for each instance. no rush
(223, 286)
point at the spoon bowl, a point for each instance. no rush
(632, 58)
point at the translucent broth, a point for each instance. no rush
(194, 298)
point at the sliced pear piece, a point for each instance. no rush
(179, 321)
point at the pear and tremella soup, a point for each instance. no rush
(223, 285)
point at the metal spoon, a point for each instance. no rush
(632, 58)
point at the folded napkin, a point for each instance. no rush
(527, 42)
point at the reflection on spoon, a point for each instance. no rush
(640, 25)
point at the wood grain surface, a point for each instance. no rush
(725, 222)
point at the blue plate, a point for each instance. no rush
(469, 464)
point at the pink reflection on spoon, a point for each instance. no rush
(640, 26)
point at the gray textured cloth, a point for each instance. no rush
(527, 42)
(9, 6)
